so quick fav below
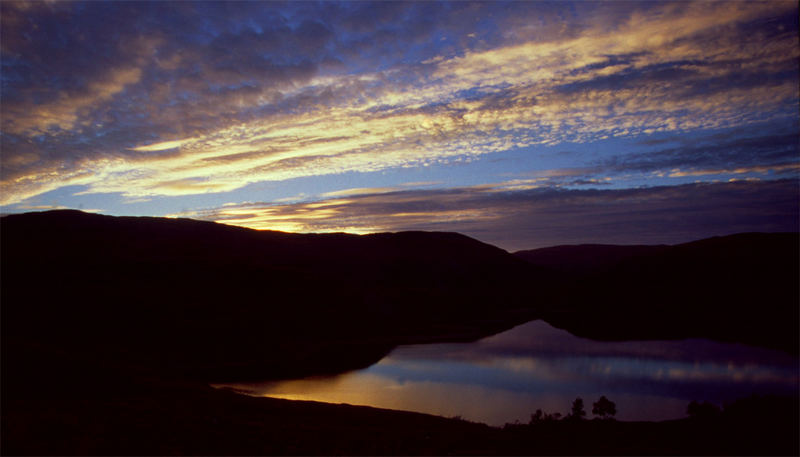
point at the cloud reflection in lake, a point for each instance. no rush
(506, 377)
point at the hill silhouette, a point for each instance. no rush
(112, 327)
(213, 301)
(585, 258)
(113, 322)
(743, 288)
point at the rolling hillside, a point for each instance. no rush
(742, 288)
(112, 327)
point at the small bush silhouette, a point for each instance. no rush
(604, 408)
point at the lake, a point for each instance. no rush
(506, 377)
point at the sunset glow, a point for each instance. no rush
(504, 377)
(484, 118)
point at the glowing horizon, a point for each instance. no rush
(150, 112)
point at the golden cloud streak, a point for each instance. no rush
(163, 145)
(337, 215)
(507, 215)
(761, 169)
(360, 191)
(407, 121)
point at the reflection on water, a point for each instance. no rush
(506, 377)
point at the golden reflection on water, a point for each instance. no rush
(508, 376)
(469, 401)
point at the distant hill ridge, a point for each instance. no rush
(166, 233)
(743, 287)
(113, 327)
(217, 301)
(584, 258)
(209, 301)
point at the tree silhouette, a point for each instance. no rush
(577, 411)
(541, 416)
(704, 410)
(604, 408)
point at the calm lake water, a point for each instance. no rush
(508, 376)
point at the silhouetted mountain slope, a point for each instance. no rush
(215, 302)
(111, 326)
(743, 288)
(209, 300)
(584, 258)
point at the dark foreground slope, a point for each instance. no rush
(158, 418)
(111, 329)
(743, 288)
(212, 302)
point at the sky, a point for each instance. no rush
(522, 124)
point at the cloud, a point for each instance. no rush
(360, 191)
(538, 217)
(761, 149)
(793, 168)
(162, 145)
(63, 112)
(269, 95)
